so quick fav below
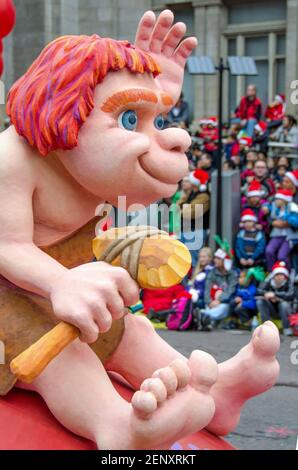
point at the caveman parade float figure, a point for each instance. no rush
(87, 127)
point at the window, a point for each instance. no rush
(255, 11)
(268, 50)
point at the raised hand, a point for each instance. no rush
(164, 41)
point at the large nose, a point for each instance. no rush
(173, 139)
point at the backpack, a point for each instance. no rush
(182, 313)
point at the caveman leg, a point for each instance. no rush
(81, 396)
(251, 372)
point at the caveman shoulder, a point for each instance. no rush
(18, 161)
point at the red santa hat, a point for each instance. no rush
(199, 178)
(228, 262)
(280, 268)
(248, 215)
(246, 141)
(280, 98)
(284, 194)
(261, 127)
(293, 176)
(255, 189)
(203, 121)
(213, 121)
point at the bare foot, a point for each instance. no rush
(251, 372)
(174, 402)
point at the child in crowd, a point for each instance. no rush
(250, 241)
(220, 287)
(243, 306)
(278, 247)
(290, 181)
(255, 201)
(247, 176)
(276, 296)
(275, 111)
(279, 175)
(209, 133)
(198, 280)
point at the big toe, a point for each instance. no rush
(204, 370)
(266, 340)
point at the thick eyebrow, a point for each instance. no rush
(166, 99)
(132, 95)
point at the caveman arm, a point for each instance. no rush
(21, 261)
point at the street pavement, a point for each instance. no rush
(269, 421)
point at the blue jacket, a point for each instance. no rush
(248, 296)
(250, 245)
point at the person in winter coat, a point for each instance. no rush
(198, 280)
(179, 113)
(255, 201)
(261, 171)
(243, 306)
(287, 132)
(277, 294)
(250, 242)
(249, 111)
(209, 134)
(220, 287)
(290, 181)
(195, 206)
(275, 111)
(279, 247)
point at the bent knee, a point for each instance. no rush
(139, 322)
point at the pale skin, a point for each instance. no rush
(42, 200)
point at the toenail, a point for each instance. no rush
(182, 373)
(168, 377)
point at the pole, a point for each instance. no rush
(221, 69)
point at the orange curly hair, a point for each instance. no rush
(51, 101)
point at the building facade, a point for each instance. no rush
(264, 29)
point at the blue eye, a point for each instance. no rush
(128, 120)
(159, 122)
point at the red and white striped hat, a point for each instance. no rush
(255, 189)
(293, 176)
(284, 194)
(248, 215)
(280, 268)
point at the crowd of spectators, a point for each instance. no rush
(254, 280)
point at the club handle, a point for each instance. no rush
(30, 363)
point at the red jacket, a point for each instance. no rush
(248, 109)
(160, 299)
(274, 113)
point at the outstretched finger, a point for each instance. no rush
(173, 39)
(144, 31)
(184, 50)
(160, 31)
